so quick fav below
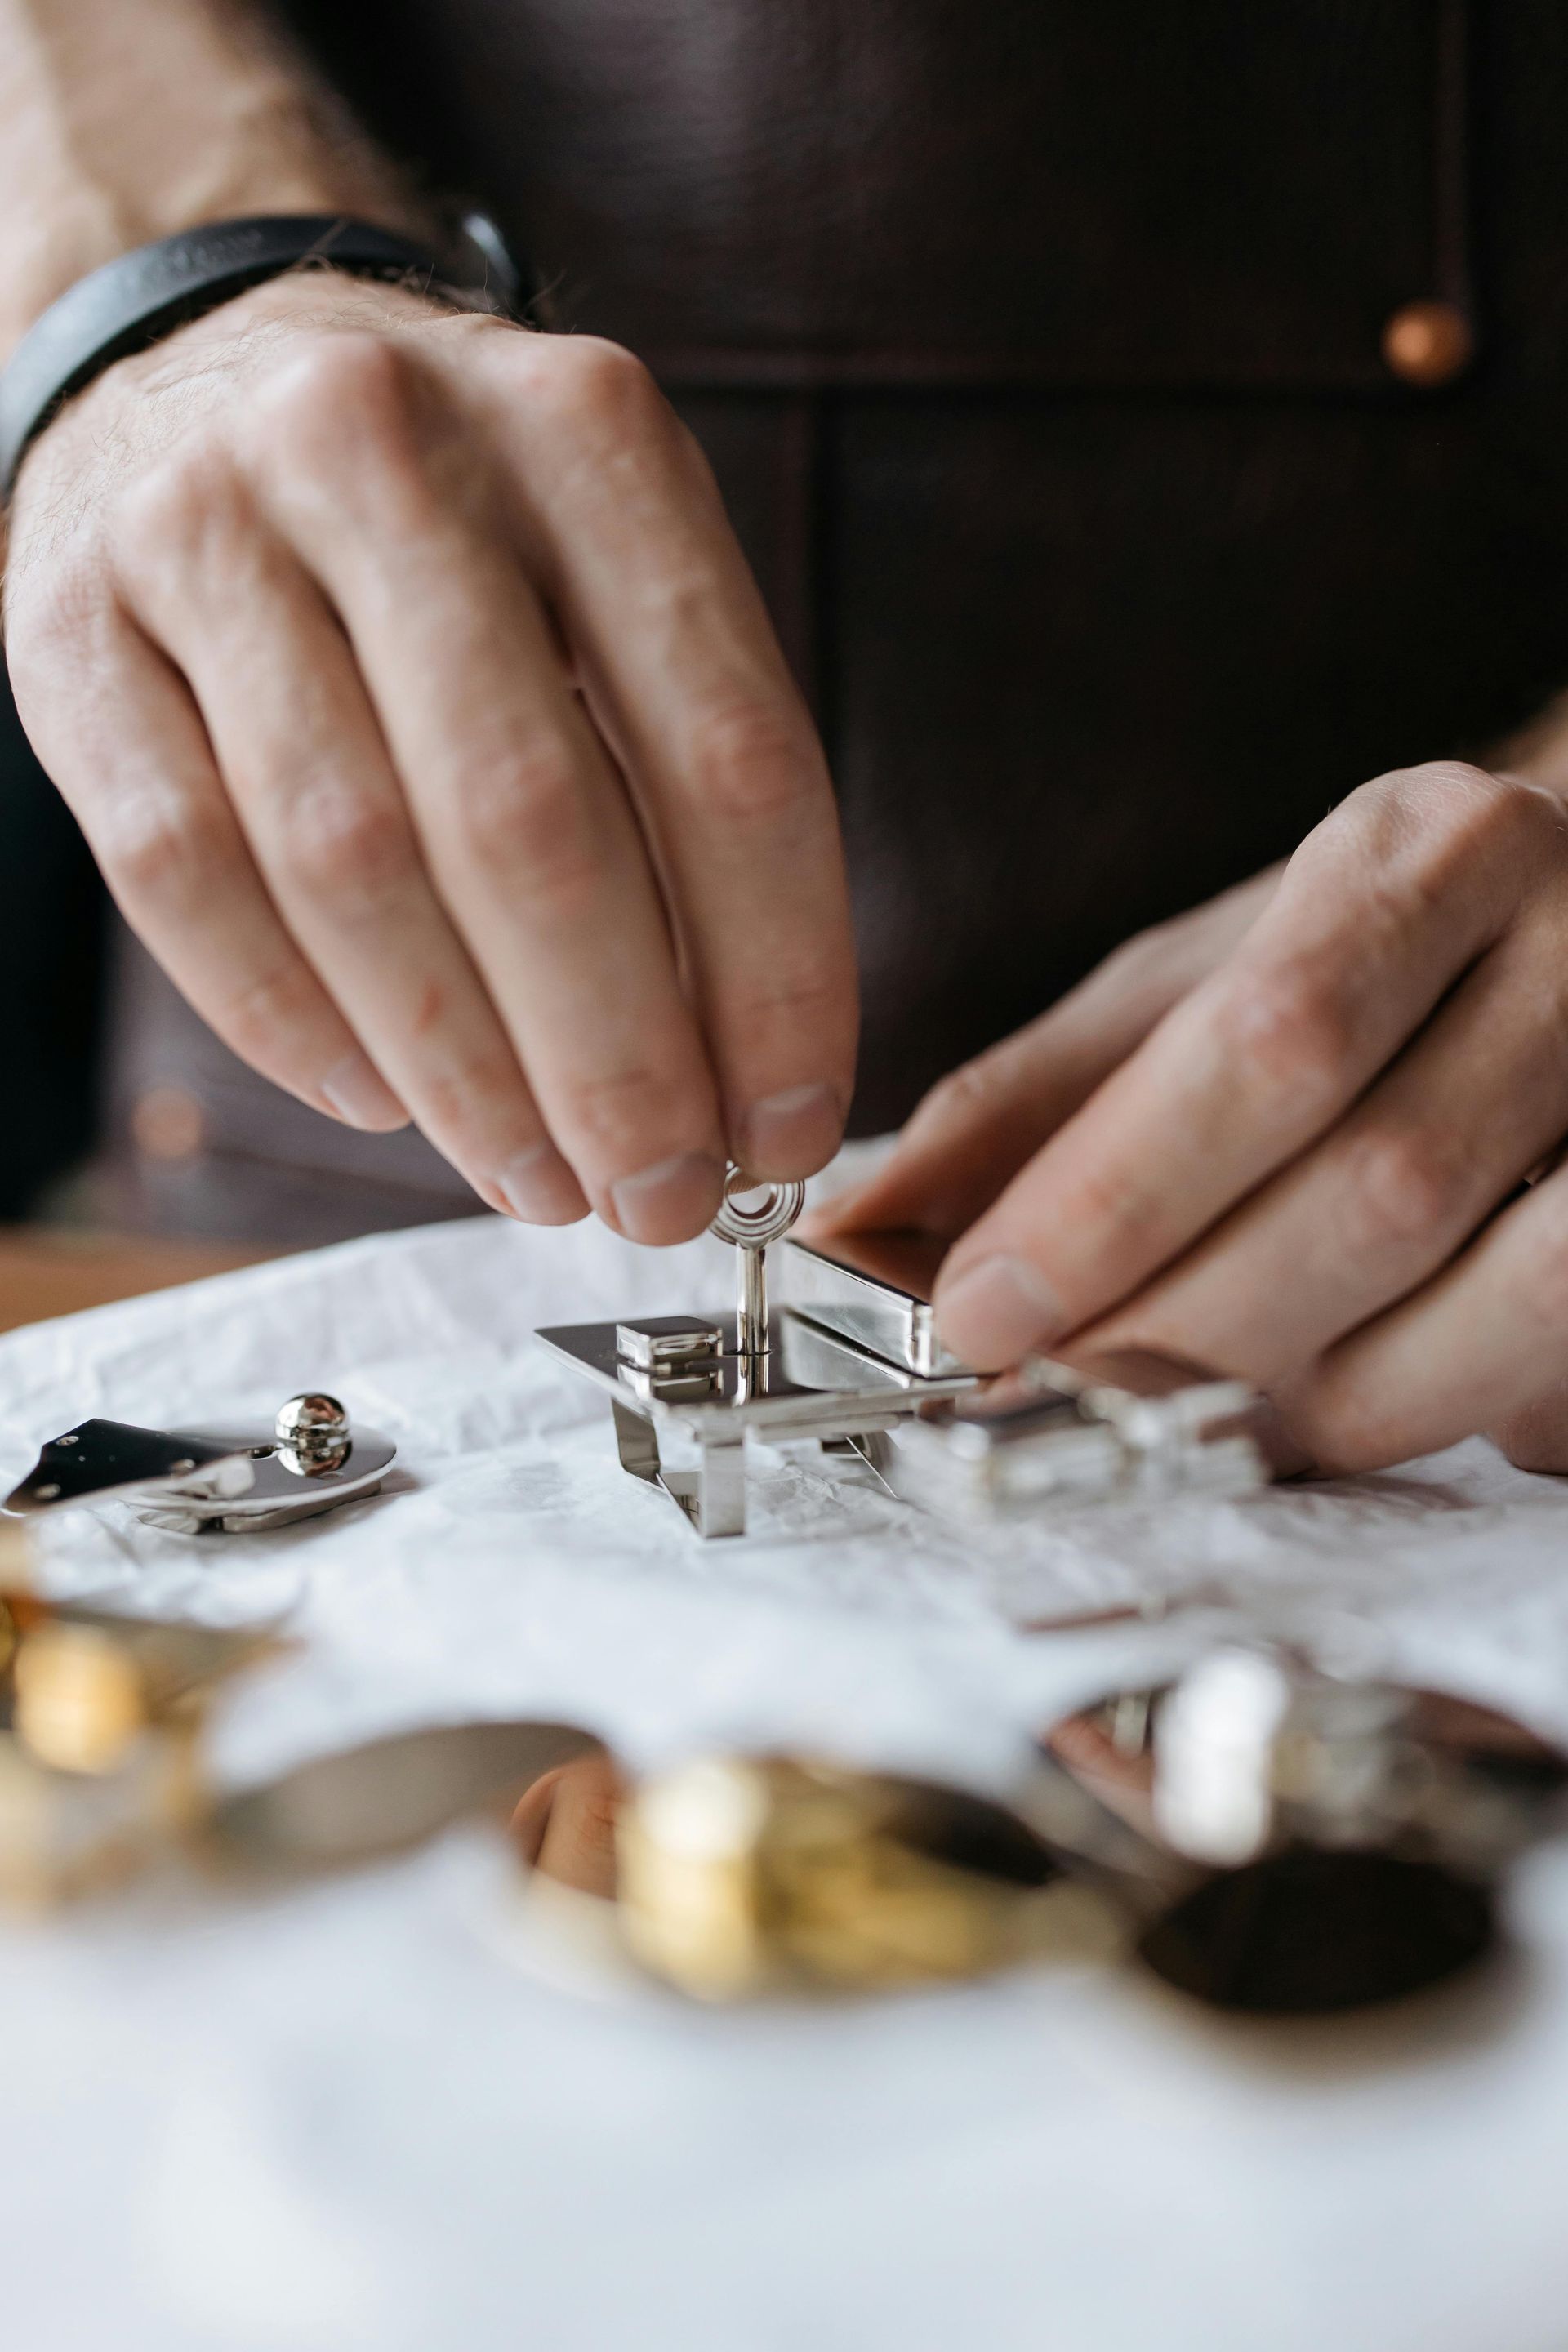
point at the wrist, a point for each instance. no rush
(79, 238)
(239, 333)
(241, 330)
(142, 130)
(306, 297)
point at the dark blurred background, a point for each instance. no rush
(51, 942)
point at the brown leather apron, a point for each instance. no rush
(1040, 351)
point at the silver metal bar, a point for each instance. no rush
(721, 1499)
(751, 1301)
(875, 1289)
(637, 1442)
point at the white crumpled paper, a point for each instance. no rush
(336, 2118)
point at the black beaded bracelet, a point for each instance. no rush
(135, 300)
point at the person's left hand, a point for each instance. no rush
(1311, 1168)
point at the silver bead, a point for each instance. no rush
(312, 1433)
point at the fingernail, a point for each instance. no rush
(359, 1094)
(996, 1311)
(792, 1133)
(540, 1189)
(669, 1201)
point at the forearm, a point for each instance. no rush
(121, 120)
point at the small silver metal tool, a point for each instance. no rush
(708, 1380)
(853, 1359)
(212, 1482)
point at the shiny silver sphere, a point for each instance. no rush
(313, 1431)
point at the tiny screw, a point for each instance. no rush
(45, 1494)
(69, 1439)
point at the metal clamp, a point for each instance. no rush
(853, 1361)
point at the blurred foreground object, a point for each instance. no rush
(1289, 1842)
(1261, 1834)
(101, 1720)
(853, 1362)
(742, 1875)
(361, 1803)
(102, 1773)
(1341, 1849)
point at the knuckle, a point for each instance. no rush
(759, 1001)
(268, 1008)
(1450, 812)
(461, 1099)
(1339, 1428)
(1541, 1287)
(56, 614)
(164, 853)
(337, 398)
(1483, 808)
(965, 1096)
(746, 765)
(1459, 784)
(178, 507)
(1536, 1437)
(1348, 1418)
(1287, 1037)
(1130, 1215)
(756, 1015)
(351, 847)
(1444, 784)
(600, 383)
(521, 818)
(617, 1112)
(1406, 1186)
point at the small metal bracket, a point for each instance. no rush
(211, 1482)
(713, 1496)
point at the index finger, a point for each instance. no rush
(1378, 913)
(686, 681)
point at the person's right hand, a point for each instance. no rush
(412, 694)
